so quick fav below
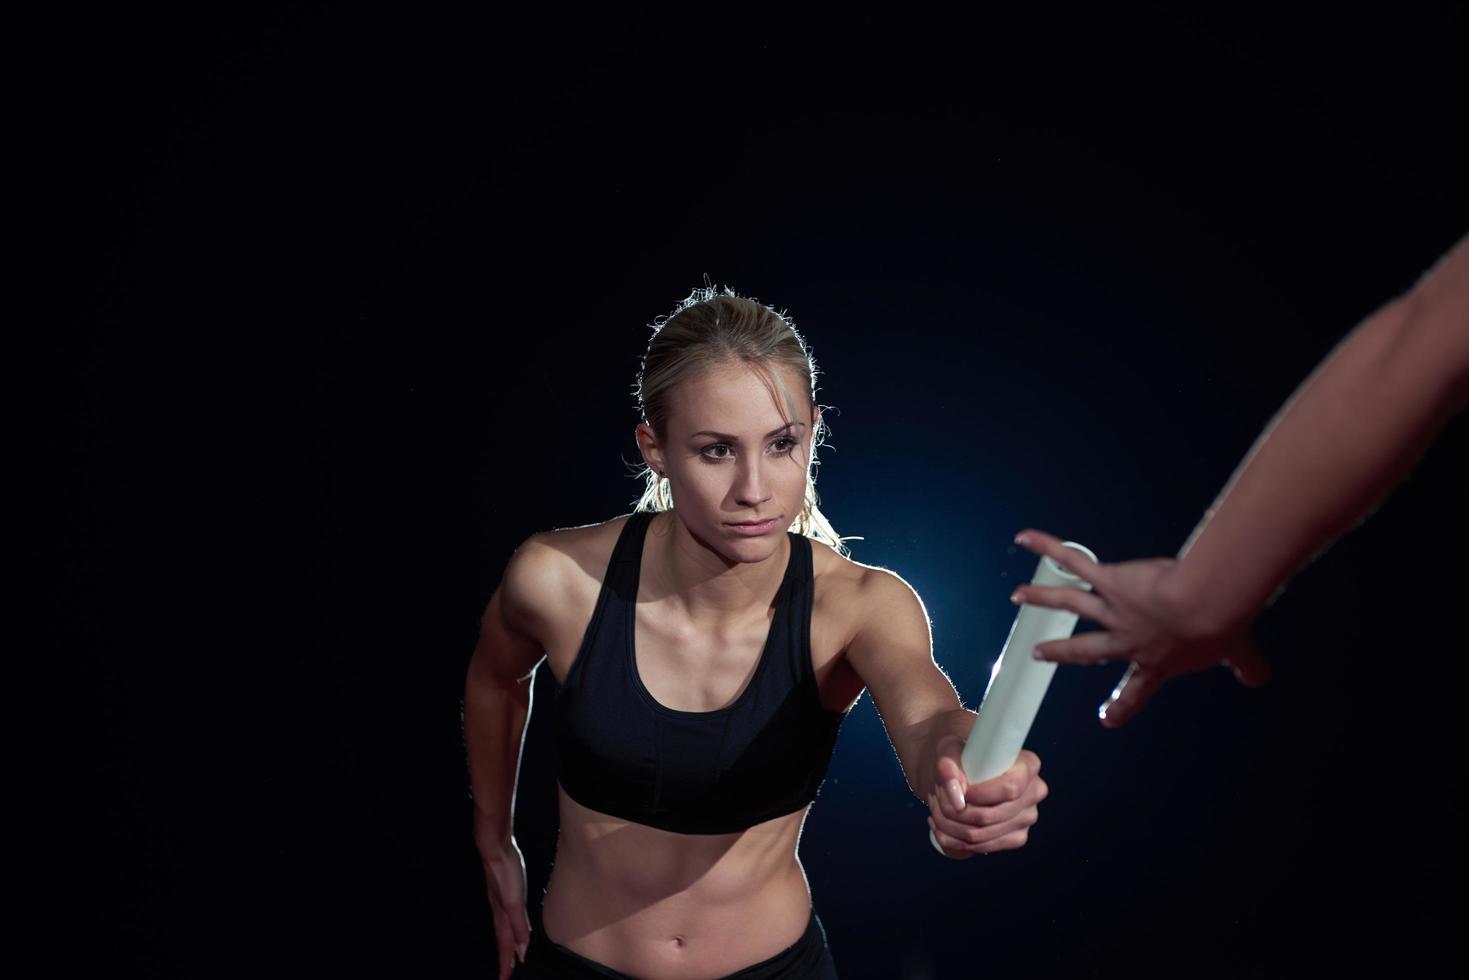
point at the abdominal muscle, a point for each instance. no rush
(666, 906)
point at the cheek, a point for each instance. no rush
(790, 478)
(705, 480)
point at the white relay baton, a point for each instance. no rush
(1018, 681)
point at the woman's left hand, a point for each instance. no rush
(981, 818)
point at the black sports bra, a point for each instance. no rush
(621, 752)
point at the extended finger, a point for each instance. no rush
(1099, 647)
(1128, 698)
(1088, 605)
(1073, 561)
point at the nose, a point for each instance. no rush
(752, 487)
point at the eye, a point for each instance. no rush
(782, 446)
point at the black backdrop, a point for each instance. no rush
(353, 303)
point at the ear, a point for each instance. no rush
(648, 444)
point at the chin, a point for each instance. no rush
(750, 551)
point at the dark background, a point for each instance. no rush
(351, 303)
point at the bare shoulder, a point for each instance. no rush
(553, 568)
(861, 594)
(887, 640)
(550, 582)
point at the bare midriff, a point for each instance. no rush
(666, 906)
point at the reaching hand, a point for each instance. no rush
(1142, 623)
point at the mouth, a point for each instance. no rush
(764, 525)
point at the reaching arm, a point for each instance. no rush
(892, 653)
(1349, 434)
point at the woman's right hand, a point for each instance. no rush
(505, 879)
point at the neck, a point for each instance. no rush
(708, 587)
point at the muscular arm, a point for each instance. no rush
(893, 654)
(1348, 435)
(497, 691)
(928, 727)
(497, 701)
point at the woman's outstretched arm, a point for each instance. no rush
(1348, 435)
(892, 651)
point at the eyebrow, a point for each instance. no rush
(733, 438)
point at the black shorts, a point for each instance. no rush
(808, 958)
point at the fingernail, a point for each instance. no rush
(521, 950)
(957, 793)
(1016, 597)
(1022, 538)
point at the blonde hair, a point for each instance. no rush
(708, 328)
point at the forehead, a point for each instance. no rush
(735, 395)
